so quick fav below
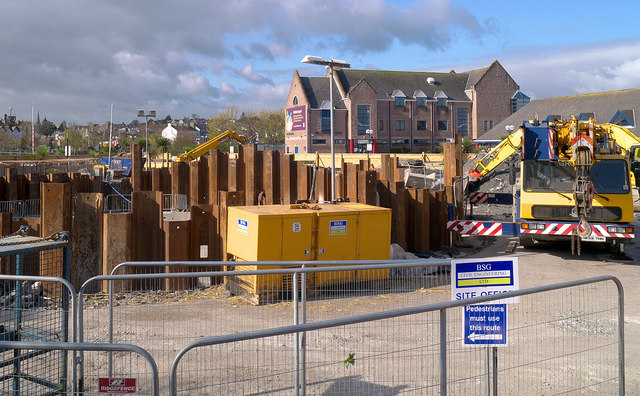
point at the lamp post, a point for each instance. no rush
(331, 63)
(152, 114)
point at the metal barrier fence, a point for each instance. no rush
(572, 348)
(182, 307)
(34, 308)
(121, 203)
(116, 203)
(175, 202)
(173, 308)
(131, 357)
(19, 209)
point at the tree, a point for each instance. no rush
(168, 118)
(74, 137)
(185, 141)
(63, 126)
(47, 128)
(225, 120)
(467, 145)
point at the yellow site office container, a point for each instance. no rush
(345, 231)
(337, 240)
(267, 233)
(374, 238)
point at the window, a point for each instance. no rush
(399, 141)
(296, 150)
(422, 142)
(422, 125)
(625, 118)
(295, 100)
(381, 141)
(319, 141)
(287, 149)
(491, 124)
(381, 125)
(442, 125)
(518, 101)
(339, 141)
(325, 120)
(364, 119)
(399, 101)
(421, 101)
(485, 125)
(400, 125)
(442, 102)
(463, 121)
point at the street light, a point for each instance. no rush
(331, 63)
(152, 114)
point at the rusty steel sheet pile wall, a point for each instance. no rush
(211, 184)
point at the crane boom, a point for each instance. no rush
(498, 154)
(211, 144)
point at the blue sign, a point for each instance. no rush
(338, 227)
(485, 325)
(482, 277)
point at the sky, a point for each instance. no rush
(71, 59)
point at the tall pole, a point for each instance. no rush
(33, 133)
(146, 139)
(110, 133)
(333, 154)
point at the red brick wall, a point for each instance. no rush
(493, 98)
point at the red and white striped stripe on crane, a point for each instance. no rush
(468, 227)
(478, 197)
(566, 229)
(551, 151)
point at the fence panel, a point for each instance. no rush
(163, 314)
(135, 373)
(562, 339)
(116, 203)
(34, 308)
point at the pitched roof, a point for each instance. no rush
(317, 90)
(604, 104)
(385, 82)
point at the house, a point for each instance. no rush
(393, 111)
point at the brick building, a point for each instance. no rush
(392, 111)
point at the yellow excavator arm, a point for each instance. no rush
(211, 144)
(499, 153)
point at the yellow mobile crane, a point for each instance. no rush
(575, 183)
(211, 144)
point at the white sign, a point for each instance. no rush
(296, 227)
(482, 277)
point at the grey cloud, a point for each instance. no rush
(73, 58)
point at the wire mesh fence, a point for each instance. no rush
(561, 341)
(187, 307)
(117, 203)
(34, 308)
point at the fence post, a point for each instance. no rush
(443, 352)
(304, 333)
(296, 358)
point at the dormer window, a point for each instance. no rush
(442, 99)
(421, 101)
(400, 97)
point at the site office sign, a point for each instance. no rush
(482, 277)
(484, 324)
(117, 385)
